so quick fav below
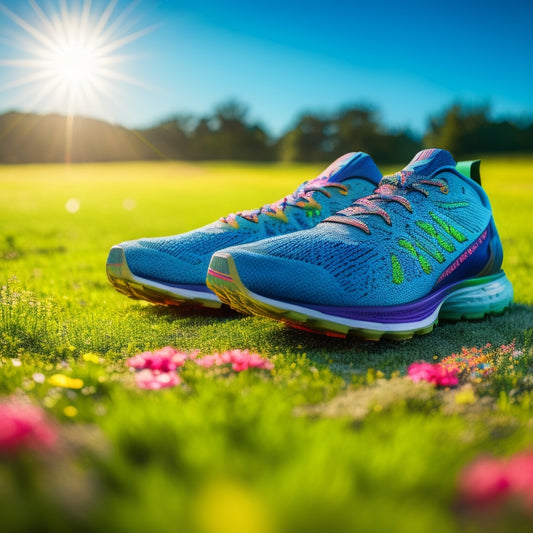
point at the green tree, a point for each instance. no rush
(311, 139)
(468, 130)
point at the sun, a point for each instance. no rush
(76, 65)
(68, 55)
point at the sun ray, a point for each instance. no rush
(107, 32)
(85, 21)
(48, 26)
(30, 78)
(24, 63)
(119, 43)
(39, 36)
(43, 92)
(102, 21)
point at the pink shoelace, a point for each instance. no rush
(303, 197)
(391, 189)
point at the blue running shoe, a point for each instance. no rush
(424, 245)
(172, 270)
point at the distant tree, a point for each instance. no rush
(227, 134)
(31, 138)
(468, 130)
(358, 128)
(171, 138)
(231, 112)
(355, 128)
(311, 139)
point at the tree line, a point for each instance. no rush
(227, 133)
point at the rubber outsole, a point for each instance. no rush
(127, 283)
(468, 303)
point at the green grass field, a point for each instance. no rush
(335, 438)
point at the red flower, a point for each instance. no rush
(24, 426)
(433, 373)
(489, 481)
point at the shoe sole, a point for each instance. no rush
(125, 282)
(468, 300)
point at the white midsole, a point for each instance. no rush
(186, 293)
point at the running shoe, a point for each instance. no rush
(172, 270)
(423, 246)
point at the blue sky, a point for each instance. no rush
(410, 59)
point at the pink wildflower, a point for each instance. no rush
(492, 481)
(484, 481)
(155, 379)
(207, 361)
(240, 360)
(166, 359)
(433, 373)
(520, 472)
(243, 360)
(24, 426)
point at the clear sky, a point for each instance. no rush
(280, 57)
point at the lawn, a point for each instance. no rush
(335, 437)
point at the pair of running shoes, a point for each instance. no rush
(349, 252)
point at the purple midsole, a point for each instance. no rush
(393, 314)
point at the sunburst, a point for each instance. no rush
(69, 59)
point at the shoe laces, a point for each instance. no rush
(392, 189)
(303, 197)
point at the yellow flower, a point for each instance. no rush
(91, 358)
(70, 411)
(465, 397)
(60, 380)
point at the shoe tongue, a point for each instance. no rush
(351, 165)
(427, 162)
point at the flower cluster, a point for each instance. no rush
(238, 359)
(435, 373)
(157, 370)
(164, 360)
(471, 362)
(489, 481)
(24, 426)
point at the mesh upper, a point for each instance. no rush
(184, 258)
(340, 265)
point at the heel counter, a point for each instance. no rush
(496, 251)
(470, 169)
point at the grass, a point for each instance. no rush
(334, 438)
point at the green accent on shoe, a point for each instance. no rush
(397, 272)
(424, 263)
(452, 205)
(444, 243)
(438, 256)
(450, 230)
(470, 169)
